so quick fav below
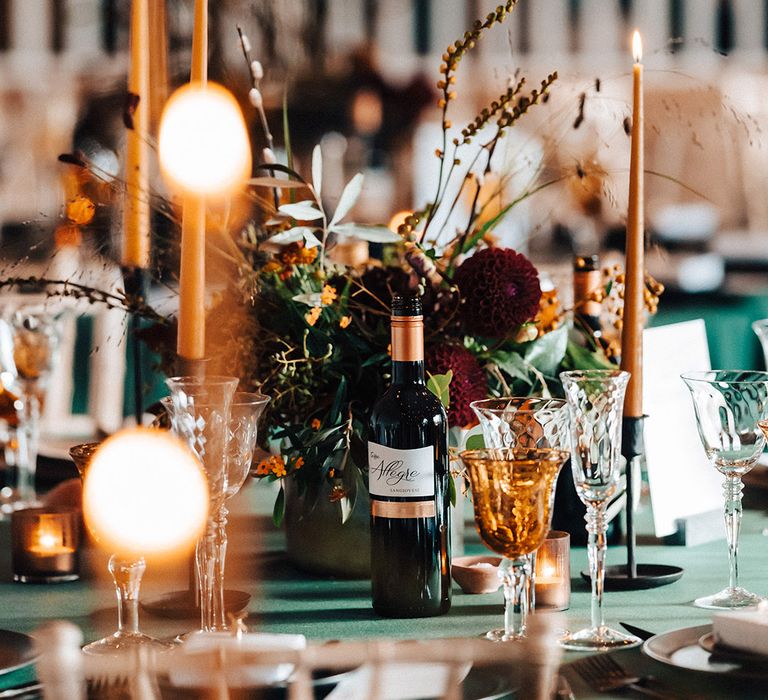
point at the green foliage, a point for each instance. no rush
(440, 386)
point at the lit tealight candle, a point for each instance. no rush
(553, 572)
(45, 542)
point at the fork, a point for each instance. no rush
(603, 674)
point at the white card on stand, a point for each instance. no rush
(681, 480)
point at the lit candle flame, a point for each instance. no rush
(203, 142)
(48, 541)
(637, 47)
(145, 494)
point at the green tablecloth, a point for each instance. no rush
(289, 601)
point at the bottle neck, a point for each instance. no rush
(408, 372)
(407, 350)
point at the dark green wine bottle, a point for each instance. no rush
(408, 476)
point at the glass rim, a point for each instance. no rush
(709, 376)
(485, 404)
(257, 399)
(594, 373)
(212, 380)
(497, 454)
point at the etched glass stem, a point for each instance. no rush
(206, 565)
(596, 548)
(732, 488)
(127, 575)
(220, 545)
(514, 574)
(29, 419)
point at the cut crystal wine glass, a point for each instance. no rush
(126, 575)
(199, 409)
(35, 336)
(525, 421)
(511, 493)
(729, 405)
(595, 402)
(244, 417)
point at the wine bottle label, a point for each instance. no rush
(393, 472)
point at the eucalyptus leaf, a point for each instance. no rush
(348, 198)
(292, 235)
(547, 353)
(475, 442)
(578, 357)
(512, 364)
(439, 385)
(275, 182)
(317, 170)
(302, 211)
(366, 232)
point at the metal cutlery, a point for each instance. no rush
(603, 674)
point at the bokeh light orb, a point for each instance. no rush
(203, 142)
(144, 494)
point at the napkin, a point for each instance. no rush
(407, 681)
(746, 631)
(196, 666)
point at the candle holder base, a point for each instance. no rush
(44, 578)
(186, 367)
(617, 578)
(181, 605)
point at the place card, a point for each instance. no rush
(683, 485)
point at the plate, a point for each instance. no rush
(681, 649)
(16, 650)
(725, 653)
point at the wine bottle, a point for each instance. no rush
(408, 481)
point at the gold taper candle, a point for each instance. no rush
(633, 321)
(190, 342)
(136, 208)
(158, 59)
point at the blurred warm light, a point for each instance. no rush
(397, 220)
(637, 47)
(144, 494)
(203, 142)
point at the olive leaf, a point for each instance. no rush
(366, 232)
(348, 198)
(317, 170)
(301, 211)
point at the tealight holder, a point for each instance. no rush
(44, 543)
(553, 572)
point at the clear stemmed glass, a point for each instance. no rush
(525, 421)
(35, 335)
(244, 417)
(127, 575)
(199, 409)
(760, 328)
(511, 495)
(595, 402)
(728, 406)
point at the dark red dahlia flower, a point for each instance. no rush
(500, 290)
(468, 383)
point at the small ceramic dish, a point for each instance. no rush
(476, 574)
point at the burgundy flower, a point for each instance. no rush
(500, 291)
(468, 383)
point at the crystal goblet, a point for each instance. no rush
(35, 335)
(126, 575)
(511, 493)
(595, 402)
(729, 405)
(760, 328)
(525, 421)
(245, 411)
(199, 409)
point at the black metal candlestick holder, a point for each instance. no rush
(633, 576)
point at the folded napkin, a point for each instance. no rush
(195, 666)
(398, 682)
(746, 631)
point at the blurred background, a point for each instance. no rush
(359, 76)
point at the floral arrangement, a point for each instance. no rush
(318, 330)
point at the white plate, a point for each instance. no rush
(681, 649)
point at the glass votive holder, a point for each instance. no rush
(553, 572)
(44, 544)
